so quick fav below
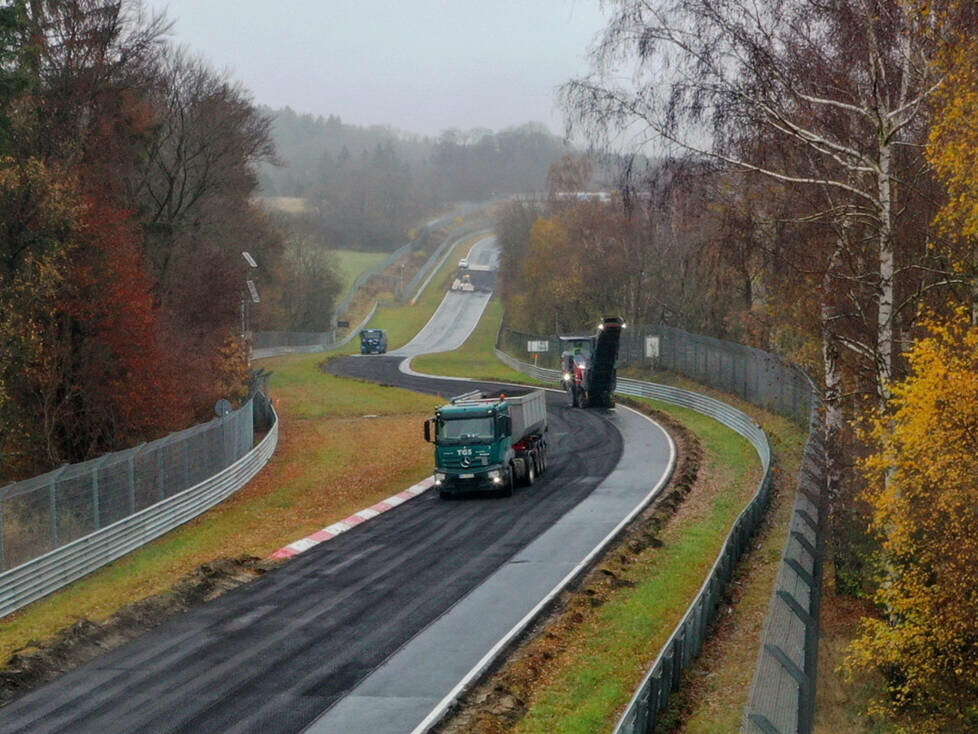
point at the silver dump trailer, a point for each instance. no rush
(528, 413)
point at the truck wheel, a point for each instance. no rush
(531, 471)
(507, 490)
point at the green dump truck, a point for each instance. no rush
(489, 442)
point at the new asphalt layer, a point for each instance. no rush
(379, 627)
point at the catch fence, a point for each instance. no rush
(46, 512)
(782, 695)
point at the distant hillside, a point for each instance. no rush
(457, 164)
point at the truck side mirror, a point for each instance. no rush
(428, 430)
(505, 425)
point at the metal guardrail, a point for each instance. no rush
(277, 351)
(433, 263)
(57, 568)
(687, 639)
(782, 695)
(783, 690)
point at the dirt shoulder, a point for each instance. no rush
(500, 701)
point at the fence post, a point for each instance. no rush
(160, 487)
(132, 478)
(53, 498)
(95, 507)
(3, 560)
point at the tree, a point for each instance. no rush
(953, 144)
(924, 499)
(828, 99)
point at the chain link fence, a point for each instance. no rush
(46, 512)
(758, 377)
(783, 691)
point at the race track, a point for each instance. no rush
(369, 631)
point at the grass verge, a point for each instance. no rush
(475, 358)
(716, 687)
(331, 461)
(404, 322)
(352, 263)
(590, 685)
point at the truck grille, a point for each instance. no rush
(455, 462)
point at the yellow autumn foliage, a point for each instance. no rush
(953, 144)
(923, 480)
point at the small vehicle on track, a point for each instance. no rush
(373, 341)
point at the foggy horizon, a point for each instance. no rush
(420, 68)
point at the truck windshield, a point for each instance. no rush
(370, 334)
(465, 429)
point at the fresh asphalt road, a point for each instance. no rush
(272, 656)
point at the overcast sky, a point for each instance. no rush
(419, 65)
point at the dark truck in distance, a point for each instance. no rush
(588, 365)
(489, 443)
(373, 341)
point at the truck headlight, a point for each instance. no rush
(439, 478)
(567, 377)
(494, 474)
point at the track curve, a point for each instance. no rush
(320, 633)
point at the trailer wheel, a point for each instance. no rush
(531, 471)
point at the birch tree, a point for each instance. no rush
(826, 98)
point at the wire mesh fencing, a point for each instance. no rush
(279, 339)
(783, 689)
(758, 377)
(46, 512)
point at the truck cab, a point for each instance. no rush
(373, 341)
(480, 445)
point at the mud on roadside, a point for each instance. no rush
(40, 662)
(502, 697)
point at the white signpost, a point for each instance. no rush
(652, 347)
(538, 346)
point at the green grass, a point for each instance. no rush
(331, 461)
(404, 322)
(475, 358)
(352, 264)
(591, 686)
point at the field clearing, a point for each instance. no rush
(288, 204)
(352, 263)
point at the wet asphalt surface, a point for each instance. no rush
(271, 656)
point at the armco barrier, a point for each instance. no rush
(783, 690)
(42, 575)
(277, 351)
(686, 641)
(782, 697)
